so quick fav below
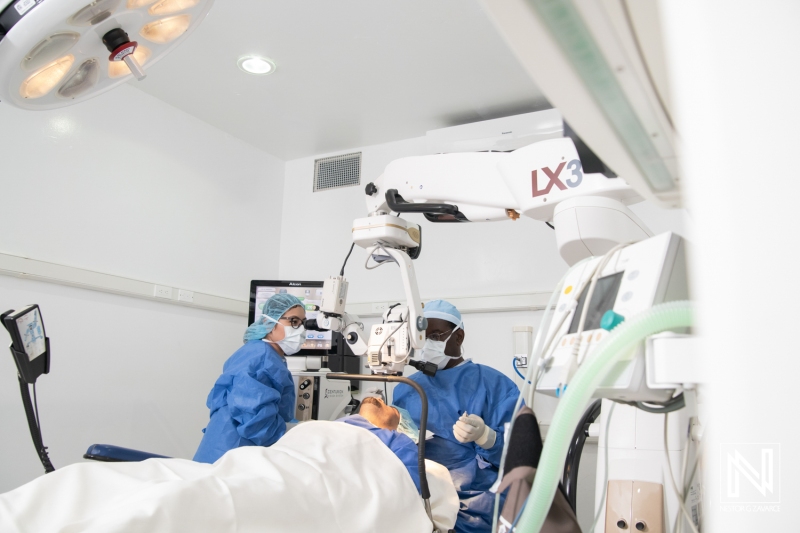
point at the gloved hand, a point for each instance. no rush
(472, 428)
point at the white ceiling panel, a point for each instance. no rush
(350, 72)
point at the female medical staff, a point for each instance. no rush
(254, 398)
(468, 405)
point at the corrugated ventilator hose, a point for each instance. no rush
(622, 340)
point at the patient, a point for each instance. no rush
(384, 421)
(319, 476)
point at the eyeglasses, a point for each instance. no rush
(439, 337)
(294, 321)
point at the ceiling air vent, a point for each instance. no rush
(337, 171)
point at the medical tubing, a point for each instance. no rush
(516, 369)
(423, 418)
(602, 503)
(587, 302)
(681, 497)
(540, 350)
(570, 478)
(622, 340)
(533, 372)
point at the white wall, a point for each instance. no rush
(737, 108)
(128, 185)
(458, 260)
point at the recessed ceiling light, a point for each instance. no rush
(256, 65)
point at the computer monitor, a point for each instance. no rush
(309, 292)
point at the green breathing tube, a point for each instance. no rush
(622, 340)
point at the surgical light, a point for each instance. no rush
(94, 13)
(83, 80)
(136, 4)
(54, 54)
(43, 81)
(167, 29)
(256, 65)
(167, 7)
(49, 49)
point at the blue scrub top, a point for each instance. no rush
(474, 389)
(250, 403)
(400, 444)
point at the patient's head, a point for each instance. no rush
(379, 414)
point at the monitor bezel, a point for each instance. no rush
(251, 313)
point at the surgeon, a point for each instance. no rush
(254, 398)
(468, 405)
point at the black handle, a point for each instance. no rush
(397, 203)
(311, 324)
(34, 427)
(426, 367)
(423, 418)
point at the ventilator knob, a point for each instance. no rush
(611, 320)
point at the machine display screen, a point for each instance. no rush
(605, 294)
(31, 333)
(309, 292)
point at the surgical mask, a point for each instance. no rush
(433, 351)
(293, 339)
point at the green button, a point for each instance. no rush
(611, 320)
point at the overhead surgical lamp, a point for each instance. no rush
(55, 54)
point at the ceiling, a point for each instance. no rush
(350, 73)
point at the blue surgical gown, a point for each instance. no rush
(250, 403)
(474, 389)
(400, 444)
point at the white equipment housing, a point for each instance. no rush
(533, 181)
(334, 296)
(588, 59)
(636, 278)
(389, 343)
(497, 135)
(592, 225)
(320, 398)
(386, 229)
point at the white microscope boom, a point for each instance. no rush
(490, 186)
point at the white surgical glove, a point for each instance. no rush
(472, 428)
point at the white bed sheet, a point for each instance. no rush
(320, 477)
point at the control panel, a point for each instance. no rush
(634, 279)
(307, 388)
(320, 398)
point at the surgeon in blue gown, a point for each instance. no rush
(468, 405)
(254, 398)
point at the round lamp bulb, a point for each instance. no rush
(256, 65)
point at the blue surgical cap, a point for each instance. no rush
(444, 310)
(407, 425)
(274, 308)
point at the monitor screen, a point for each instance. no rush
(603, 298)
(309, 292)
(31, 333)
